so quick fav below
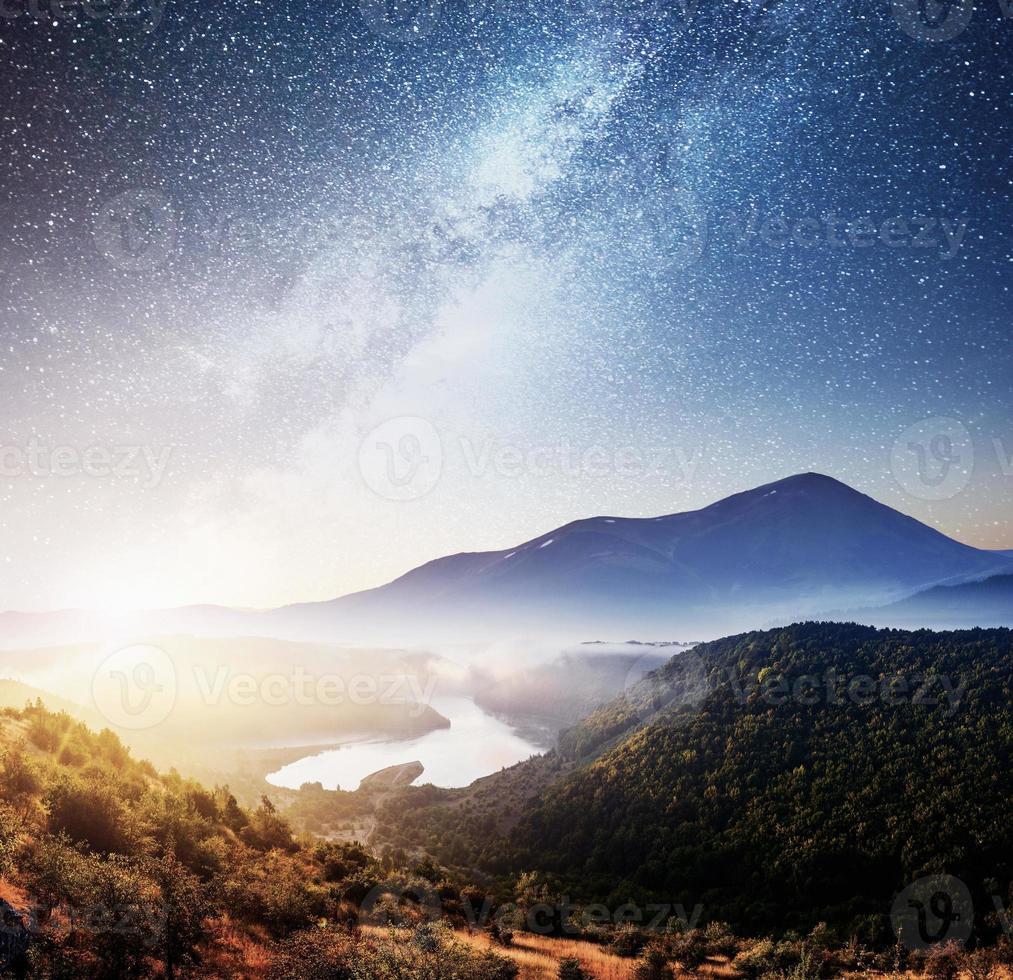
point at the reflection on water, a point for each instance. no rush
(476, 744)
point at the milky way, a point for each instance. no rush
(598, 258)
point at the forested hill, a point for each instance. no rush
(110, 871)
(781, 778)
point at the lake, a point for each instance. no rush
(475, 745)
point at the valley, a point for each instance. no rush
(772, 791)
(729, 829)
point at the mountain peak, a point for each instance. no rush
(811, 489)
(807, 480)
(790, 549)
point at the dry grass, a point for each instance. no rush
(231, 951)
(538, 957)
(13, 895)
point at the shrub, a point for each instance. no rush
(943, 961)
(12, 827)
(90, 809)
(983, 964)
(276, 892)
(19, 777)
(340, 860)
(55, 872)
(117, 915)
(493, 967)
(570, 969)
(756, 959)
(808, 965)
(426, 953)
(268, 830)
(184, 907)
(356, 888)
(654, 966)
(313, 954)
(628, 942)
(690, 948)
(73, 753)
(47, 730)
(720, 940)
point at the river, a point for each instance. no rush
(475, 745)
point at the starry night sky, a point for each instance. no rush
(726, 242)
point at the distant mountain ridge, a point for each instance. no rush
(790, 548)
(987, 603)
(787, 550)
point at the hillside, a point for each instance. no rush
(16, 694)
(759, 793)
(111, 870)
(746, 807)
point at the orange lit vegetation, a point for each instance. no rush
(110, 869)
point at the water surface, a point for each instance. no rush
(475, 745)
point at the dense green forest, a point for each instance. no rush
(816, 772)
